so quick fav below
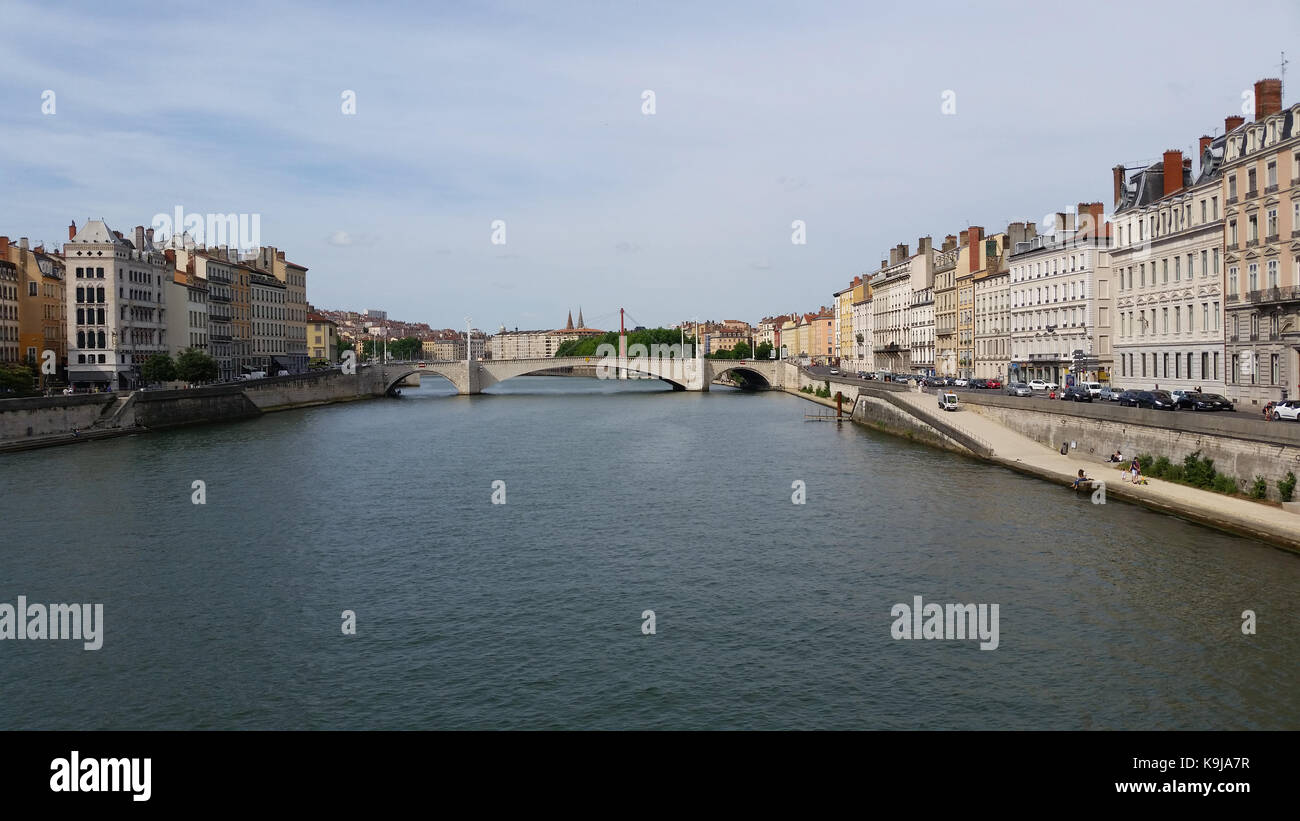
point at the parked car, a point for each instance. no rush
(1109, 394)
(977, 383)
(835, 371)
(1019, 389)
(1094, 388)
(1077, 393)
(1128, 399)
(1182, 398)
(960, 382)
(1289, 410)
(1156, 400)
(1208, 402)
(994, 383)
(1040, 385)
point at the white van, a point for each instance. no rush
(254, 375)
(948, 401)
(1094, 388)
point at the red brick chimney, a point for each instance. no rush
(1232, 123)
(974, 239)
(1205, 143)
(1118, 172)
(171, 257)
(4, 248)
(72, 230)
(1173, 173)
(1268, 97)
(1091, 220)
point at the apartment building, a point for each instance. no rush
(268, 303)
(1260, 183)
(42, 320)
(270, 261)
(969, 261)
(861, 355)
(116, 304)
(921, 332)
(8, 313)
(893, 287)
(945, 307)
(187, 312)
(322, 339)
(1168, 244)
(1062, 301)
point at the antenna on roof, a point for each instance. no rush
(1282, 68)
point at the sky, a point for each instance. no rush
(873, 125)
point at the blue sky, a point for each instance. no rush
(531, 113)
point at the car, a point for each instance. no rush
(1077, 393)
(1019, 389)
(1156, 400)
(863, 375)
(978, 384)
(1094, 388)
(1040, 385)
(1182, 398)
(835, 371)
(1109, 394)
(994, 383)
(1288, 410)
(960, 382)
(1198, 401)
(1128, 399)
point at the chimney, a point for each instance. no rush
(884, 264)
(1234, 122)
(974, 236)
(139, 237)
(949, 242)
(893, 254)
(279, 255)
(148, 234)
(170, 253)
(72, 230)
(1268, 97)
(4, 248)
(22, 243)
(1118, 171)
(1173, 172)
(923, 245)
(1204, 144)
(1092, 221)
(1058, 224)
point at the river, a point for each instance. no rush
(620, 498)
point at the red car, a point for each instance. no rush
(995, 383)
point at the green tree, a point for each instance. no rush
(650, 336)
(409, 347)
(16, 378)
(195, 366)
(741, 351)
(764, 351)
(158, 368)
(341, 345)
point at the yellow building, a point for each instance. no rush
(322, 339)
(970, 260)
(42, 320)
(790, 336)
(844, 343)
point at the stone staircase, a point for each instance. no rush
(111, 416)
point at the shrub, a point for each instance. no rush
(1160, 469)
(1224, 483)
(1176, 474)
(1200, 472)
(1286, 487)
(1259, 488)
(1145, 461)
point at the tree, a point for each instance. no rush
(196, 366)
(158, 368)
(406, 348)
(741, 351)
(764, 351)
(341, 345)
(16, 378)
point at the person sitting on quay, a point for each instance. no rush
(1080, 479)
(1116, 457)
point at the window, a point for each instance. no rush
(1272, 273)
(1205, 269)
(1205, 366)
(1232, 233)
(1177, 269)
(1202, 210)
(1254, 276)
(1232, 280)
(1252, 228)
(1271, 223)
(1232, 188)
(1164, 272)
(1272, 174)
(1250, 182)
(1164, 312)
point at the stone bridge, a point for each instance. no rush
(683, 374)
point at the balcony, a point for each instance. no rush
(1270, 239)
(1270, 189)
(1252, 243)
(1232, 200)
(218, 298)
(1252, 193)
(1274, 295)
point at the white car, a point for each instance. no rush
(1289, 409)
(1040, 385)
(961, 382)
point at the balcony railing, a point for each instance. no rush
(1271, 295)
(1270, 189)
(1252, 193)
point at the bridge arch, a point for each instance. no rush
(753, 378)
(392, 376)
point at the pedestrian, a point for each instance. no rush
(1135, 470)
(1268, 412)
(74, 433)
(1080, 479)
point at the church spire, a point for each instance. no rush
(569, 325)
(580, 325)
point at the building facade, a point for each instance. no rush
(945, 307)
(1062, 311)
(116, 305)
(268, 301)
(1260, 182)
(1168, 242)
(9, 313)
(42, 318)
(322, 339)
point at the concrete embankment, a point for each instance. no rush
(48, 421)
(1008, 436)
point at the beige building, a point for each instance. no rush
(892, 289)
(945, 308)
(270, 260)
(1261, 190)
(1062, 312)
(187, 314)
(116, 304)
(268, 301)
(1168, 226)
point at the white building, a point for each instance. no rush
(864, 358)
(187, 310)
(1167, 258)
(1061, 310)
(116, 305)
(921, 332)
(891, 303)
